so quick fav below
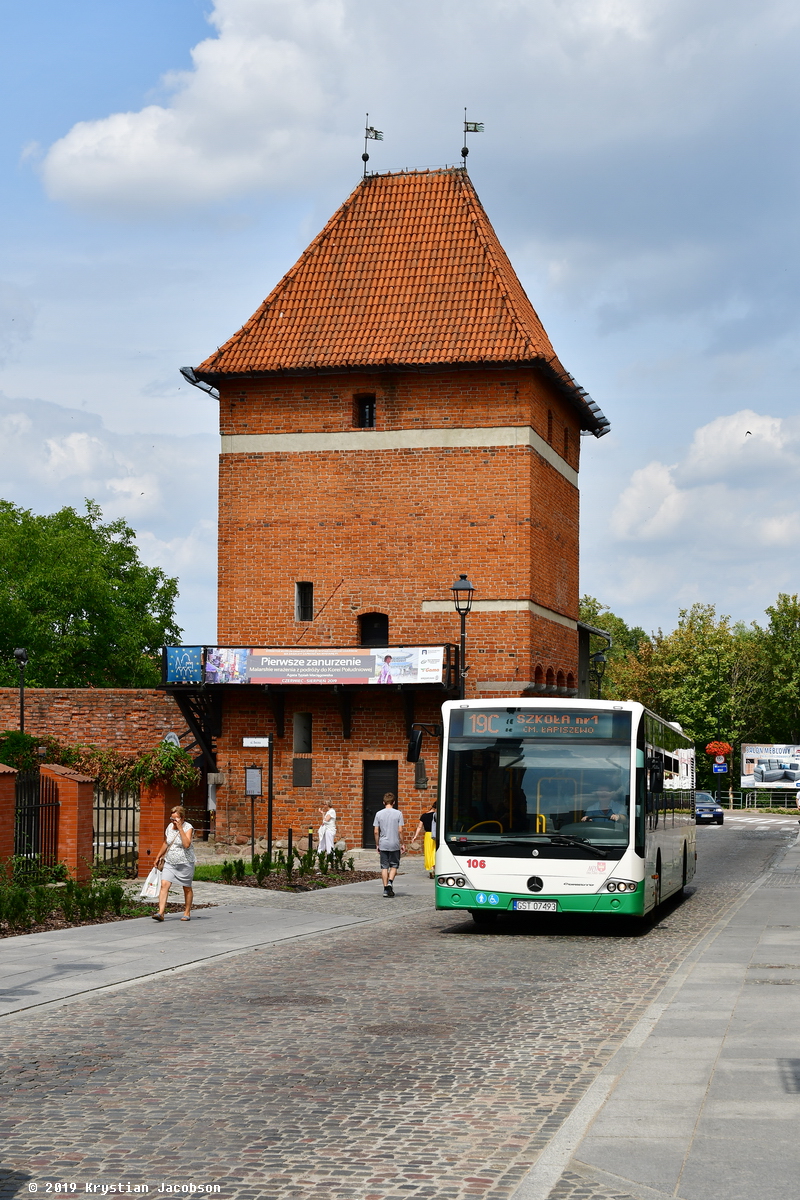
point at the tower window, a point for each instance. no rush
(373, 629)
(304, 602)
(301, 733)
(364, 412)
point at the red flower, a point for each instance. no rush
(719, 748)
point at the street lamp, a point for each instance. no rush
(463, 592)
(597, 670)
(21, 655)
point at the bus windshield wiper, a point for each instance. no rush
(555, 839)
(561, 839)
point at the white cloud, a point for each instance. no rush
(164, 487)
(251, 114)
(275, 97)
(722, 522)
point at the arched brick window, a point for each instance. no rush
(373, 629)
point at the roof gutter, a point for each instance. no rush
(190, 377)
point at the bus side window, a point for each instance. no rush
(641, 797)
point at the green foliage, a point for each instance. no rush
(67, 902)
(625, 639)
(115, 896)
(238, 869)
(262, 866)
(716, 678)
(227, 871)
(18, 750)
(781, 694)
(74, 593)
(171, 763)
(111, 768)
(42, 902)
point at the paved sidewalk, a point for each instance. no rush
(703, 1098)
(43, 968)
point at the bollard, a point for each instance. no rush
(310, 842)
(289, 847)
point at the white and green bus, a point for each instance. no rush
(562, 806)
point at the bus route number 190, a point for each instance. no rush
(476, 862)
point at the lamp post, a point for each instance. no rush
(598, 670)
(21, 655)
(463, 592)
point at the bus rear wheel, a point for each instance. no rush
(481, 917)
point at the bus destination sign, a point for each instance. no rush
(545, 723)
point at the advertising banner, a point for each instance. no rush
(184, 664)
(771, 766)
(385, 665)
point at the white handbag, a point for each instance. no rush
(152, 886)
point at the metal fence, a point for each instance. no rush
(755, 799)
(35, 822)
(116, 830)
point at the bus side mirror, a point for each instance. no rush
(415, 745)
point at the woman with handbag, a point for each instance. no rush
(427, 825)
(176, 861)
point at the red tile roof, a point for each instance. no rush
(408, 272)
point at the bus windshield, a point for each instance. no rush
(557, 784)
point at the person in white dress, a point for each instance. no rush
(327, 831)
(176, 861)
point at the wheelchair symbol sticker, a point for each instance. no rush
(494, 899)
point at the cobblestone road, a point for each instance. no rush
(413, 1057)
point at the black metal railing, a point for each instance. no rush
(35, 822)
(116, 830)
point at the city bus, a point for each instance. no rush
(562, 806)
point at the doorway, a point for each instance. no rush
(379, 778)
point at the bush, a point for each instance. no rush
(67, 902)
(17, 906)
(227, 871)
(41, 902)
(238, 867)
(115, 897)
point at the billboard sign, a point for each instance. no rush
(771, 766)
(384, 665)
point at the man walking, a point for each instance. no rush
(387, 838)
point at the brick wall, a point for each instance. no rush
(126, 719)
(378, 732)
(388, 531)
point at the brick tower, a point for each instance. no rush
(392, 415)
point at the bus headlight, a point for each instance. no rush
(451, 881)
(620, 885)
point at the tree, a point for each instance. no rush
(625, 640)
(781, 641)
(707, 675)
(74, 593)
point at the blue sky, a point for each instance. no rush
(163, 164)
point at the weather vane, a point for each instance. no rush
(370, 135)
(469, 127)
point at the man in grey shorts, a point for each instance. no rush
(387, 838)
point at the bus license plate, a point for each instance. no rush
(536, 905)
